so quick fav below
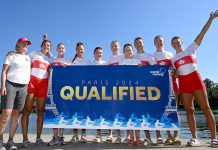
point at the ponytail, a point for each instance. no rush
(74, 58)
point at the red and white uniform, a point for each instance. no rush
(146, 59)
(100, 62)
(114, 60)
(132, 61)
(81, 61)
(189, 77)
(185, 61)
(39, 74)
(164, 58)
(40, 65)
(59, 62)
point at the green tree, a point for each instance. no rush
(210, 85)
(212, 90)
(215, 91)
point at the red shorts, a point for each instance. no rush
(175, 86)
(191, 83)
(38, 87)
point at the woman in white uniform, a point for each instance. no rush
(79, 60)
(58, 138)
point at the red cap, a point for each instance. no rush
(24, 40)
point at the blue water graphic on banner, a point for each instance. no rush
(111, 97)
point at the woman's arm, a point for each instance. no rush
(200, 36)
(3, 78)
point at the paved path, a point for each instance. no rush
(93, 146)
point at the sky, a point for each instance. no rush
(98, 22)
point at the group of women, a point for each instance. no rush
(25, 79)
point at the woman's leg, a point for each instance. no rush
(137, 134)
(99, 132)
(14, 123)
(187, 100)
(26, 113)
(202, 100)
(147, 134)
(6, 113)
(40, 107)
(84, 132)
(55, 132)
(61, 132)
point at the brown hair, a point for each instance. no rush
(60, 44)
(156, 37)
(97, 49)
(174, 38)
(138, 38)
(127, 44)
(43, 42)
(77, 44)
(115, 41)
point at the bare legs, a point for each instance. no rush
(6, 114)
(40, 103)
(202, 100)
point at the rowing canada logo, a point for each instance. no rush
(159, 72)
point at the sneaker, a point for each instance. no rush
(11, 145)
(214, 143)
(130, 142)
(176, 141)
(39, 141)
(98, 139)
(169, 141)
(118, 140)
(2, 145)
(193, 142)
(54, 141)
(160, 141)
(148, 142)
(109, 139)
(27, 144)
(75, 138)
(61, 141)
(139, 143)
(83, 139)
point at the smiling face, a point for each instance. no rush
(21, 47)
(176, 43)
(128, 51)
(139, 45)
(46, 47)
(159, 43)
(80, 51)
(60, 49)
(98, 54)
(115, 48)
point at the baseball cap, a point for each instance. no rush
(24, 40)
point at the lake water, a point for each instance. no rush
(202, 130)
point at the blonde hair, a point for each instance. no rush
(115, 41)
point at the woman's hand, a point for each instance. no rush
(174, 73)
(3, 91)
(213, 14)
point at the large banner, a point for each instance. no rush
(111, 97)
